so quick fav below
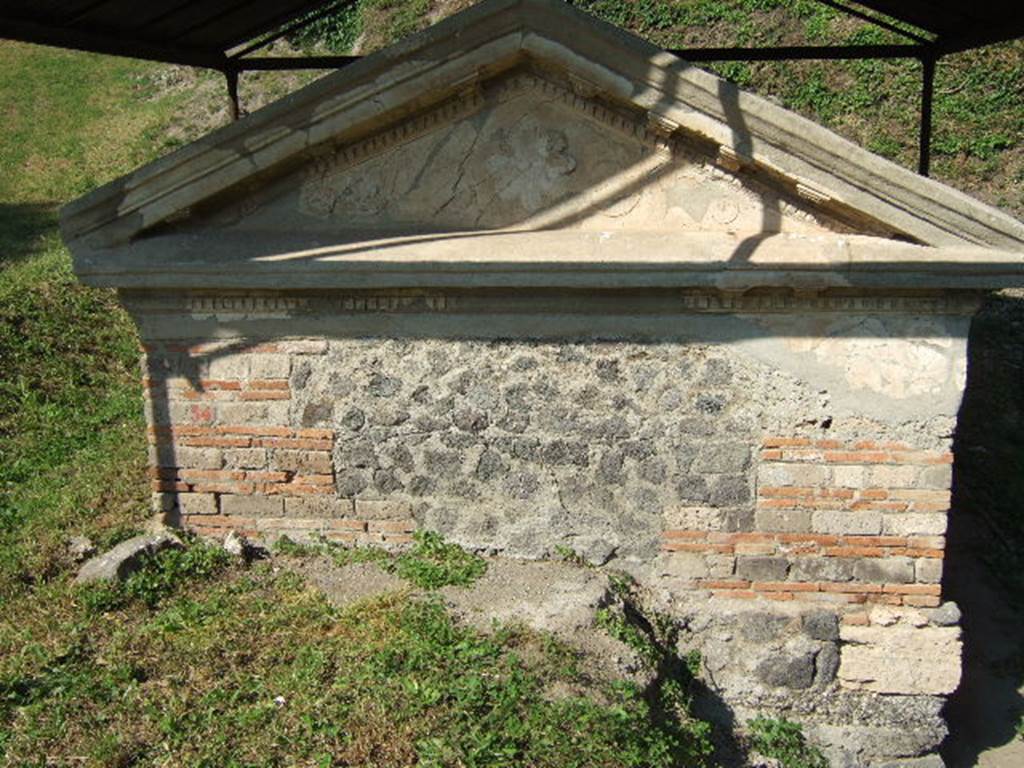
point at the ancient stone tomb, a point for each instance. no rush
(528, 281)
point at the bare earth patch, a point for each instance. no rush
(554, 597)
(549, 597)
(347, 584)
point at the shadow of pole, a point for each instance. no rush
(166, 363)
(743, 144)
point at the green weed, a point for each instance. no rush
(654, 637)
(434, 563)
(288, 547)
(651, 635)
(160, 576)
(431, 563)
(341, 554)
(784, 741)
(571, 556)
(337, 31)
(614, 622)
(255, 668)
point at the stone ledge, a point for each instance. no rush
(578, 259)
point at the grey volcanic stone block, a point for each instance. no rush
(826, 664)
(731, 490)
(820, 625)
(383, 386)
(946, 615)
(126, 558)
(490, 465)
(595, 550)
(762, 568)
(693, 489)
(470, 419)
(822, 568)
(351, 482)
(354, 419)
(761, 626)
(723, 458)
(785, 671)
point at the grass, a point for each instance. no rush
(431, 563)
(72, 121)
(71, 449)
(253, 667)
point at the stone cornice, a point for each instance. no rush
(392, 86)
(556, 259)
(229, 305)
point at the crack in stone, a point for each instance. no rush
(460, 172)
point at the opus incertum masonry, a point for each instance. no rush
(528, 281)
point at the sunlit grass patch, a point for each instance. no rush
(430, 563)
(254, 668)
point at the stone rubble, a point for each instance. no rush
(126, 558)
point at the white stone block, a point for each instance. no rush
(900, 659)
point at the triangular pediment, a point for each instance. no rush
(519, 151)
(527, 114)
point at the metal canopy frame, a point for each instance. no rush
(223, 35)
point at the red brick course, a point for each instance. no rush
(821, 531)
(889, 594)
(822, 545)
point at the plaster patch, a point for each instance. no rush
(874, 357)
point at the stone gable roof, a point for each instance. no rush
(601, 63)
(523, 144)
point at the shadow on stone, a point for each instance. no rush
(984, 567)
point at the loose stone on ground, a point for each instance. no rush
(126, 558)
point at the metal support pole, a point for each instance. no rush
(801, 52)
(265, 63)
(927, 92)
(231, 75)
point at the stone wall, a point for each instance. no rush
(834, 521)
(223, 456)
(867, 682)
(780, 480)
